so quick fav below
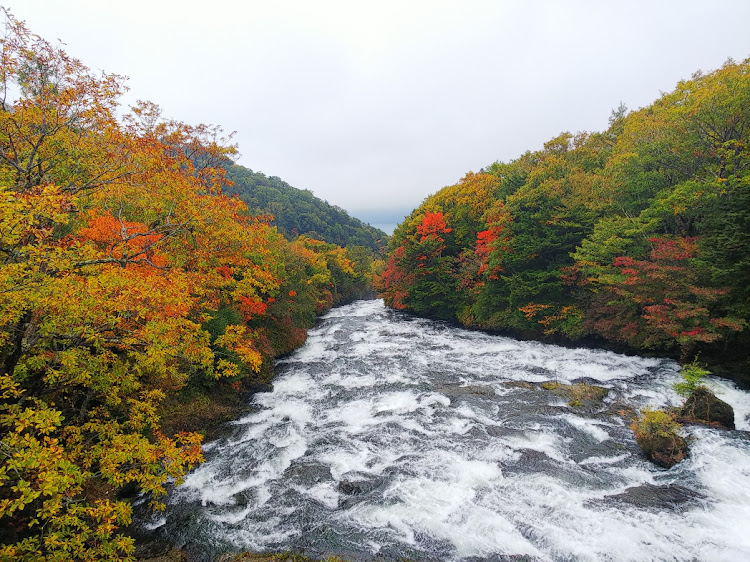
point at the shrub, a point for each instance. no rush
(692, 374)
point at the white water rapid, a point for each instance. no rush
(388, 437)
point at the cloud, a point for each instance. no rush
(375, 105)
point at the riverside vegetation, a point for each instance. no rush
(634, 238)
(137, 301)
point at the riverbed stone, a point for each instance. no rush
(579, 395)
(704, 407)
(469, 390)
(663, 450)
(672, 497)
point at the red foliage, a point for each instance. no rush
(663, 291)
(673, 249)
(494, 240)
(225, 271)
(432, 226)
(485, 239)
(392, 282)
(250, 307)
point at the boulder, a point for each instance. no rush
(704, 407)
(660, 498)
(656, 433)
(663, 450)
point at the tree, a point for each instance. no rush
(110, 240)
(658, 303)
(418, 276)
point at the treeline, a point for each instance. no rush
(637, 236)
(298, 212)
(131, 289)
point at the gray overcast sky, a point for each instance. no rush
(377, 104)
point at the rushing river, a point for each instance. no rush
(390, 437)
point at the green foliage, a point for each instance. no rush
(692, 374)
(637, 235)
(298, 212)
(655, 423)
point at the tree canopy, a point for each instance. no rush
(127, 277)
(637, 235)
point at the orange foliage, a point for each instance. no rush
(124, 242)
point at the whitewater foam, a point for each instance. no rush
(400, 437)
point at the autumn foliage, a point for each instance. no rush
(418, 275)
(126, 277)
(637, 236)
(658, 302)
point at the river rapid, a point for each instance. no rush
(390, 437)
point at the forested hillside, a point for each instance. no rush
(133, 296)
(298, 212)
(638, 235)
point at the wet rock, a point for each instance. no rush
(499, 430)
(258, 387)
(153, 550)
(520, 384)
(533, 460)
(502, 558)
(656, 432)
(308, 474)
(457, 391)
(580, 395)
(704, 407)
(357, 487)
(661, 498)
(170, 555)
(241, 499)
(262, 557)
(198, 552)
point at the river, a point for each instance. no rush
(390, 437)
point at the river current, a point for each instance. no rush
(389, 437)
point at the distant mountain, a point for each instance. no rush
(298, 211)
(384, 219)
